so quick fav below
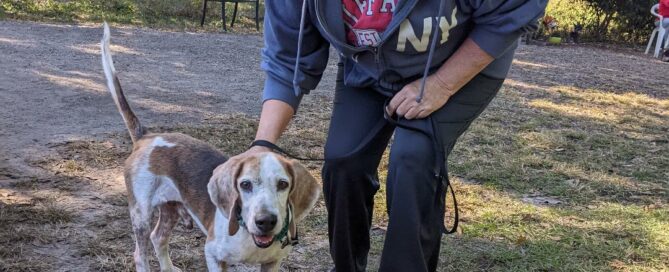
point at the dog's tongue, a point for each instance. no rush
(264, 239)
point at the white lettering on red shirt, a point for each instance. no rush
(366, 20)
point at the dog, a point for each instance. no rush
(248, 206)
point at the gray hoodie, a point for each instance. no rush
(419, 30)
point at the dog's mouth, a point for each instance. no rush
(263, 241)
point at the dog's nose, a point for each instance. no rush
(266, 222)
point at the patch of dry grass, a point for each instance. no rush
(77, 157)
(27, 226)
(111, 247)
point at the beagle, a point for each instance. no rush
(248, 206)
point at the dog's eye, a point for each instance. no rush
(246, 185)
(282, 184)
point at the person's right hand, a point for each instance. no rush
(252, 151)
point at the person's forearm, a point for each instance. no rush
(274, 119)
(462, 66)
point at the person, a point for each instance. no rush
(422, 70)
(663, 10)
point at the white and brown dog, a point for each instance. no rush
(248, 206)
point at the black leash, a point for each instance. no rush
(280, 150)
(456, 215)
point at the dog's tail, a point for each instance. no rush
(131, 122)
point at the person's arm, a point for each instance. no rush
(282, 18)
(274, 120)
(497, 26)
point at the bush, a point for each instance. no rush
(154, 13)
(619, 21)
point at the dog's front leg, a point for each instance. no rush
(270, 267)
(213, 264)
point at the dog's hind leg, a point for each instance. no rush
(141, 226)
(160, 237)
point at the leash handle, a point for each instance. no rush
(456, 216)
(395, 120)
(280, 150)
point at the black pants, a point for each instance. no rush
(357, 138)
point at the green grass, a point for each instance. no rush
(604, 155)
(166, 14)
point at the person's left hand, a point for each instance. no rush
(435, 96)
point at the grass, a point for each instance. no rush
(165, 14)
(112, 245)
(25, 225)
(604, 155)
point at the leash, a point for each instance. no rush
(280, 150)
(438, 169)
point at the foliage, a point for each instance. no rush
(627, 21)
(179, 14)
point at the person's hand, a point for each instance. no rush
(435, 96)
(252, 151)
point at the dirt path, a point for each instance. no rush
(171, 77)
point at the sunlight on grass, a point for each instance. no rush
(607, 107)
(518, 236)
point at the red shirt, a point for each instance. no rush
(364, 23)
(664, 8)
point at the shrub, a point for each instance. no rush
(620, 21)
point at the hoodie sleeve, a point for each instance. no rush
(282, 26)
(499, 23)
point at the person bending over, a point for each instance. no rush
(422, 70)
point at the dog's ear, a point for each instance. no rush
(224, 193)
(233, 223)
(303, 195)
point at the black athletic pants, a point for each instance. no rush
(357, 138)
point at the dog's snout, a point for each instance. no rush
(266, 222)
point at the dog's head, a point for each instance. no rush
(260, 188)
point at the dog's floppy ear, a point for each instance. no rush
(223, 191)
(303, 195)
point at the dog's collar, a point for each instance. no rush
(283, 236)
(284, 231)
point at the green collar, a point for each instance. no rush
(284, 231)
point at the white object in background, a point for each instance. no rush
(661, 31)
